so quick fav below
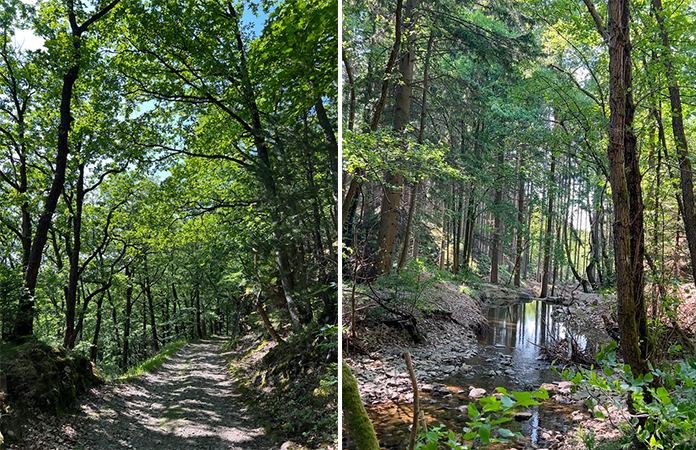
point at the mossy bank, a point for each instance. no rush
(39, 376)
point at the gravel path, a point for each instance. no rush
(188, 403)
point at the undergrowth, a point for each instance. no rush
(152, 363)
(293, 389)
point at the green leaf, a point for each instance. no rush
(485, 433)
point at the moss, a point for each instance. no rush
(50, 378)
(358, 423)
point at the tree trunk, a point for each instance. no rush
(24, 323)
(393, 183)
(71, 294)
(625, 189)
(129, 308)
(97, 328)
(685, 172)
(520, 225)
(548, 238)
(266, 321)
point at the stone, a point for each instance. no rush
(550, 387)
(475, 392)
(465, 368)
(521, 416)
(440, 390)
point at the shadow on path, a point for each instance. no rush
(188, 403)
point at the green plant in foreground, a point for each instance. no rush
(663, 419)
(485, 423)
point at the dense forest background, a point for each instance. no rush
(542, 145)
(166, 172)
(477, 139)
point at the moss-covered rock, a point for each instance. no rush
(357, 422)
(50, 378)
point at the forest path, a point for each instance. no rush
(187, 403)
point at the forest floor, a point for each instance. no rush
(187, 403)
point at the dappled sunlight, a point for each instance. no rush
(186, 403)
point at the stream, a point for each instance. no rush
(509, 355)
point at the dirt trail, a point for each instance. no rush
(188, 403)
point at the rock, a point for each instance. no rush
(550, 387)
(289, 445)
(521, 416)
(492, 373)
(565, 387)
(440, 390)
(476, 392)
(577, 416)
(465, 368)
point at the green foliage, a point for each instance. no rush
(152, 363)
(664, 400)
(407, 288)
(485, 424)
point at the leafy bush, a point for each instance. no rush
(665, 417)
(485, 425)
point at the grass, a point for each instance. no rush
(152, 363)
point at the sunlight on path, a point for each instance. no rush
(187, 403)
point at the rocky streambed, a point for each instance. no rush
(455, 365)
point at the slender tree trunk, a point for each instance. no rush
(127, 324)
(548, 238)
(685, 171)
(497, 226)
(266, 321)
(356, 181)
(97, 328)
(71, 294)
(520, 224)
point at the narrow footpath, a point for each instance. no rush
(188, 403)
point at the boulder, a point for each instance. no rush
(475, 392)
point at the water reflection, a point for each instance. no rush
(509, 355)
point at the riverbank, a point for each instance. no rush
(460, 359)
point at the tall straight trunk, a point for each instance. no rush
(540, 245)
(356, 181)
(685, 171)
(71, 293)
(394, 182)
(548, 238)
(97, 329)
(127, 324)
(497, 226)
(443, 237)
(421, 138)
(469, 227)
(175, 306)
(288, 288)
(151, 310)
(626, 195)
(196, 300)
(520, 224)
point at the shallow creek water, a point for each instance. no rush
(509, 355)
